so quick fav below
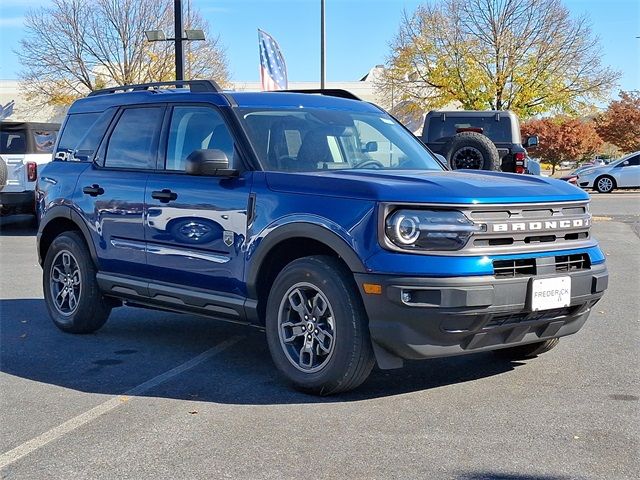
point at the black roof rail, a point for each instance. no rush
(330, 92)
(198, 86)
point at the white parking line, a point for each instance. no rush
(26, 448)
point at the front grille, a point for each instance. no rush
(524, 267)
(570, 263)
(528, 227)
(514, 268)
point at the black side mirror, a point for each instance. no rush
(532, 141)
(212, 163)
(370, 147)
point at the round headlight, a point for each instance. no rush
(407, 229)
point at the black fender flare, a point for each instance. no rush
(299, 230)
(63, 211)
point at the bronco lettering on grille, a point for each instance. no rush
(543, 225)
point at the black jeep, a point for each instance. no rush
(482, 140)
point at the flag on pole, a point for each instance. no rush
(273, 70)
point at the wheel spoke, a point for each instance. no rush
(296, 329)
(61, 296)
(57, 275)
(298, 301)
(307, 355)
(66, 263)
(318, 306)
(72, 301)
(324, 339)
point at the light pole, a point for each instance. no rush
(178, 38)
(322, 47)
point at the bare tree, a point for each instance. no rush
(530, 56)
(76, 46)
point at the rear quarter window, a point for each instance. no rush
(75, 129)
(13, 142)
(44, 140)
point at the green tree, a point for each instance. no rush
(75, 46)
(529, 56)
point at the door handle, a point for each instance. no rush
(165, 195)
(94, 190)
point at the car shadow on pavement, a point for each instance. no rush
(508, 476)
(137, 345)
(18, 225)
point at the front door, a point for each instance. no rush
(628, 174)
(110, 193)
(196, 226)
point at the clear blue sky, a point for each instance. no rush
(358, 34)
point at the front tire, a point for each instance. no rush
(605, 184)
(317, 328)
(71, 292)
(530, 350)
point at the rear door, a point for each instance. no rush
(110, 192)
(196, 225)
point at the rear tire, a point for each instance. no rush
(471, 150)
(71, 291)
(530, 350)
(317, 328)
(605, 184)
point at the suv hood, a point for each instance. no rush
(410, 186)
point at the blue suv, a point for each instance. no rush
(314, 216)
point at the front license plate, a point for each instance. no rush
(550, 293)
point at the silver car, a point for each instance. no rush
(623, 173)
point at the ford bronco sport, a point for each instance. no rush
(314, 216)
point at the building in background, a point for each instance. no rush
(364, 88)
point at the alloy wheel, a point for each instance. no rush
(65, 282)
(605, 184)
(306, 327)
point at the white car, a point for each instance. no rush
(623, 173)
(24, 147)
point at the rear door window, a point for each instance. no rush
(134, 141)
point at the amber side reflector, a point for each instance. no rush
(372, 288)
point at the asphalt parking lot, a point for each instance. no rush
(162, 395)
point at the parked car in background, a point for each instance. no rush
(573, 176)
(480, 140)
(623, 173)
(533, 166)
(24, 146)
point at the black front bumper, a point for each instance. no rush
(417, 318)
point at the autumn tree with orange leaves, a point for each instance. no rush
(563, 138)
(620, 123)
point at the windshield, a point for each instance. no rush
(302, 140)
